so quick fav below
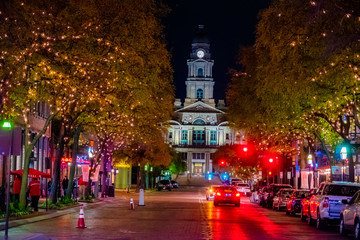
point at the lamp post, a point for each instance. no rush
(7, 126)
(343, 156)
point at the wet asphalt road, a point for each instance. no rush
(179, 214)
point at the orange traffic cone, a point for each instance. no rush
(132, 206)
(81, 221)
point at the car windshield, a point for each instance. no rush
(277, 188)
(341, 190)
(287, 192)
(243, 185)
(164, 181)
(301, 194)
(226, 189)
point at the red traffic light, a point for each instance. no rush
(222, 163)
(245, 149)
(271, 160)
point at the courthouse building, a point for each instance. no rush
(199, 124)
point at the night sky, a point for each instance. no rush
(230, 24)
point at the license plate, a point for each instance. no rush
(228, 191)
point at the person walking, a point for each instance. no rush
(17, 187)
(34, 190)
(65, 183)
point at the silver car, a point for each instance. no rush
(349, 216)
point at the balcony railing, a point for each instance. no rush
(195, 146)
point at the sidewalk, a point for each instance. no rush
(52, 213)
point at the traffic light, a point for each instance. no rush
(271, 160)
(245, 149)
(222, 163)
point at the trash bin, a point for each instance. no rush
(111, 191)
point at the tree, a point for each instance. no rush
(306, 58)
(177, 165)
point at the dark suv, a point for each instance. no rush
(272, 190)
(164, 185)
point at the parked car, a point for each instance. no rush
(174, 184)
(164, 185)
(281, 197)
(243, 188)
(350, 216)
(263, 196)
(210, 192)
(235, 181)
(326, 206)
(305, 204)
(293, 204)
(228, 195)
(273, 189)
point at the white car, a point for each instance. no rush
(210, 192)
(281, 198)
(243, 188)
(326, 206)
(235, 181)
(350, 216)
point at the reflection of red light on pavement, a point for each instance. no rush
(228, 222)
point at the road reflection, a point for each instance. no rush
(246, 222)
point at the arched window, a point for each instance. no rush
(199, 122)
(200, 72)
(199, 93)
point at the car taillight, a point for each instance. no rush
(326, 202)
(219, 194)
(238, 194)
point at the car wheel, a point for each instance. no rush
(237, 204)
(216, 204)
(302, 216)
(319, 222)
(309, 219)
(159, 189)
(342, 229)
(357, 230)
(292, 212)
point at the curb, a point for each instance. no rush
(58, 213)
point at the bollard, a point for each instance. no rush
(141, 197)
(132, 206)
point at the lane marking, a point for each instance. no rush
(205, 222)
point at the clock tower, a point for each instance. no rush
(200, 83)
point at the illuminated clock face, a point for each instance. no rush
(200, 54)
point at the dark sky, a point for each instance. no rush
(229, 24)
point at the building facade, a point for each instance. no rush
(199, 124)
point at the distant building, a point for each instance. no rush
(199, 125)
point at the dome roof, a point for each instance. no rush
(201, 36)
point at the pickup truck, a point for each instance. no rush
(325, 207)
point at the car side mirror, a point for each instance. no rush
(344, 201)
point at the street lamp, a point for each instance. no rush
(8, 126)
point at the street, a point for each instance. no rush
(180, 214)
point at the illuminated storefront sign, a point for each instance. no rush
(81, 159)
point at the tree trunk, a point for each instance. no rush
(75, 150)
(28, 149)
(57, 165)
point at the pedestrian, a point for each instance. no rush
(49, 187)
(17, 187)
(65, 183)
(34, 191)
